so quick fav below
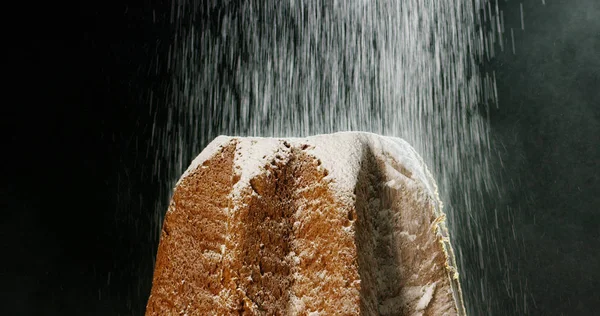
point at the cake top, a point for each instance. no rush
(340, 153)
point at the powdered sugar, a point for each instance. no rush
(393, 148)
(426, 298)
(340, 154)
(251, 155)
(206, 154)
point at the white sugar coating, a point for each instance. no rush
(393, 148)
(340, 154)
(426, 298)
(251, 155)
(208, 152)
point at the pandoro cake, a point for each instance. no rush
(340, 224)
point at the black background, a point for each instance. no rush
(77, 194)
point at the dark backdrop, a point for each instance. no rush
(547, 129)
(77, 195)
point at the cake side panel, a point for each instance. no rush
(259, 241)
(406, 171)
(187, 275)
(377, 253)
(291, 249)
(426, 283)
(326, 269)
(430, 269)
(402, 263)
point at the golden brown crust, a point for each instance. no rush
(186, 278)
(284, 242)
(285, 245)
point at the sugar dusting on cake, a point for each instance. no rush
(427, 296)
(339, 153)
(211, 149)
(251, 156)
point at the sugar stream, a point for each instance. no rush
(410, 69)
